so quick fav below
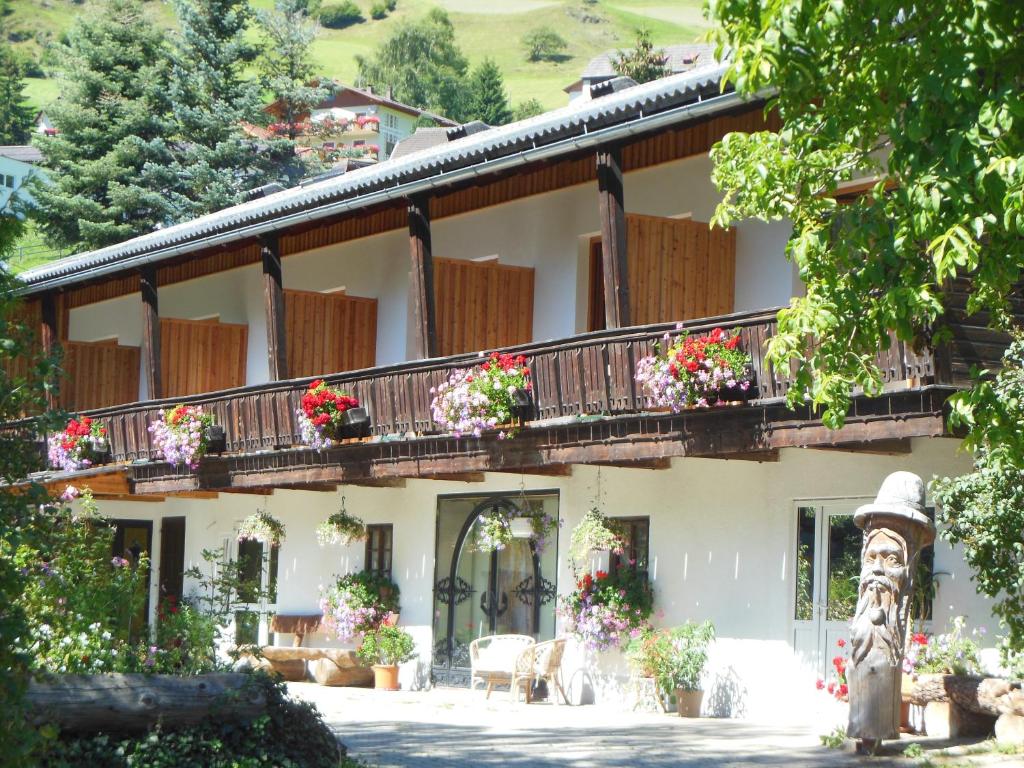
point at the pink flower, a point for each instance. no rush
(70, 493)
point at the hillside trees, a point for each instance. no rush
(488, 100)
(643, 62)
(15, 114)
(113, 124)
(926, 102)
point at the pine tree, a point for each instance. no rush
(487, 98)
(286, 61)
(643, 63)
(211, 100)
(15, 115)
(111, 123)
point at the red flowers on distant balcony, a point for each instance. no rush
(370, 122)
(321, 414)
(482, 397)
(81, 443)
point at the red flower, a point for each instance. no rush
(733, 342)
(716, 335)
(920, 638)
(692, 366)
(820, 685)
(602, 575)
(841, 643)
(843, 690)
(832, 688)
(673, 369)
(316, 384)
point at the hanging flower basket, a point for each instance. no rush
(263, 528)
(696, 371)
(184, 434)
(496, 529)
(487, 396)
(595, 533)
(83, 443)
(340, 528)
(322, 416)
(358, 603)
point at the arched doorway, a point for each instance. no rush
(479, 593)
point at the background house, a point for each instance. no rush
(18, 163)
(678, 58)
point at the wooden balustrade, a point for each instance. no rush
(584, 375)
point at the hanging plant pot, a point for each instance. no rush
(98, 455)
(355, 422)
(521, 527)
(522, 404)
(216, 440)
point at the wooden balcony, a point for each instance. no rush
(590, 410)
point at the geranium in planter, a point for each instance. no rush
(385, 648)
(262, 527)
(358, 603)
(497, 527)
(82, 444)
(340, 528)
(326, 415)
(607, 610)
(483, 397)
(183, 434)
(696, 371)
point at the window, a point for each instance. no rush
(9, 181)
(637, 533)
(258, 571)
(379, 540)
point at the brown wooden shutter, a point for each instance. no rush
(201, 355)
(99, 374)
(482, 305)
(679, 269)
(329, 332)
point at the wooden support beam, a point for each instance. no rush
(613, 238)
(886, 447)
(251, 491)
(459, 477)
(382, 482)
(771, 455)
(273, 302)
(150, 331)
(313, 487)
(554, 470)
(194, 495)
(145, 498)
(656, 464)
(49, 334)
(421, 279)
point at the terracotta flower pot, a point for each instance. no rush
(688, 702)
(385, 677)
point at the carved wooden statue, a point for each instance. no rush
(895, 530)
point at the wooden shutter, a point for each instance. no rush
(329, 332)
(481, 305)
(679, 269)
(201, 355)
(98, 374)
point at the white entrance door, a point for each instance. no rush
(827, 577)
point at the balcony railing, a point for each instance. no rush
(584, 375)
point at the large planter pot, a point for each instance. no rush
(385, 677)
(216, 440)
(355, 422)
(688, 702)
(98, 456)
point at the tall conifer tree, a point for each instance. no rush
(15, 113)
(488, 100)
(111, 121)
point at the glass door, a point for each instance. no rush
(479, 593)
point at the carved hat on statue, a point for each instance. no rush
(900, 499)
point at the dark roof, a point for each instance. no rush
(681, 58)
(21, 152)
(347, 96)
(582, 125)
(422, 138)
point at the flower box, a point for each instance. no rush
(185, 433)
(82, 443)
(216, 439)
(324, 416)
(523, 409)
(484, 397)
(355, 422)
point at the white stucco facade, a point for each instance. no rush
(722, 547)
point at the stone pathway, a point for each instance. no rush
(460, 729)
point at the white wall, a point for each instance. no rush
(120, 319)
(722, 542)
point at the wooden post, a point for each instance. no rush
(613, 238)
(421, 278)
(49, 335)
(273, 300)
(150, 331)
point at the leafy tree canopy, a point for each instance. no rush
(643, 62)
(488, 100)
(422, 63)
(527, 108)
(544, 44)
(925, 99)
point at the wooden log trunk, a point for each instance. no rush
(122, 703)
(982, 695)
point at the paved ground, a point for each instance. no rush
(461, 729)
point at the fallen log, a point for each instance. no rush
(124, 703)
(991, 696)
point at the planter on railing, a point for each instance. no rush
(355, 422)
(216, 439)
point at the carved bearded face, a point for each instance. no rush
(879, 619)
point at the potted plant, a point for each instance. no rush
(263, 528)
(340, 528)
(326, 415)
(497, 527)
(358, 603)
(385, 648)
(83, 443)
(606, 610)
(686, 665)
(696, 371)
(483, 397)
(595, 532)
(185, 433)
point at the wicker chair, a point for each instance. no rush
(492, 659)
(541, 661)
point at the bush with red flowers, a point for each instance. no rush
(696, 371)
(837, 685)
(482, 397)
(79, 446)
(321, 414)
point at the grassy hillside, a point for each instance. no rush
(483, 27)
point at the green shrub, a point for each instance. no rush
(344, 14)
(291, 734)
(387, 645)
(379, 10)
(544, 44)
